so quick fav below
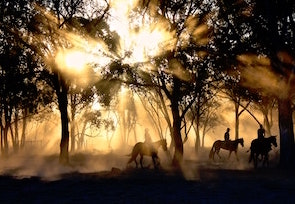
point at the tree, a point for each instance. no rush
(54, 27)
(21, 85)
(80, 98)
(279, 46)
(181, 71)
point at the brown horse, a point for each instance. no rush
(261, 147)
(144, 149)
(231, 146)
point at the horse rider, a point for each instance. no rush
(148, 140)
(147, 137)
(226, 135)
(261, 133)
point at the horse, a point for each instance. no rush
(261, 147)
(144, 149)
(231, 146)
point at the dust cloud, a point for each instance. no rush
(40, 157)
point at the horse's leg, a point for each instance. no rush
(265, 160)
(141, 159)
(251, 156)
(154, 157)
(255, 160)
(135, 163)
(236, 153)
(213, 153)
(217, 152)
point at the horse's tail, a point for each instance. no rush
(211, 152)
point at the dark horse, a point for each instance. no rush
(144, 149)
(261, 147)
(231, 146)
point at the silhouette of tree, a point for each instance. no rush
(22, 91)
(277, 19)
(182, 72)
(204, 116)
(266, 105)
(80, 98)
(44, 32)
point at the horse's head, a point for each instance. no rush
(241, 141)
(164, 144)
(273, 140)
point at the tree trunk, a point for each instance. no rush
(287, 156)
(63, 104)
(5, 141)
(73, 121)
(237, 122)
(197, 142)
(73, 135)
(203, 135)
(73, 125)
(81, 138)
(266, 122)
(16, 137)
(178, 153)
(23, 137)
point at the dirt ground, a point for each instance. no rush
(105, 178)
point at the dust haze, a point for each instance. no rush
(104, 149)
(40, 156)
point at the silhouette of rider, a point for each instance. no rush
(148, 140)
(226, 135)
(147, 137)
(261, 133)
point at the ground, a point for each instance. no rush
(106, 178)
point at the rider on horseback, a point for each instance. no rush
(148, 140)
(147, 137)
(226, 135)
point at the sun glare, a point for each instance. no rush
(141, 39)
(148, 42)
(76, 60)
(72, 62)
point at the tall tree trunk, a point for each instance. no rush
(203, 135)
(63, 108)
(237, 121)
(266, 122)
(64, 143)
(23, 137)
(73, 121)
(5, 140)
(73, 144)
(178, 153)
(287, 147)
(62, 89)
(81, 138)
(197, 142)
(16, 137)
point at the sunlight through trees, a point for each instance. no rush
(172, 66)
